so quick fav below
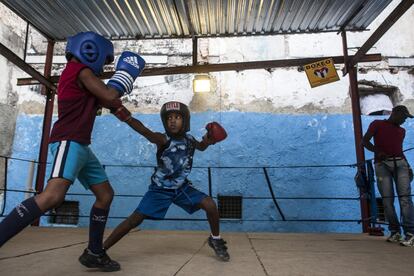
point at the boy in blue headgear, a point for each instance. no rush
(169, 183)
(80, 93)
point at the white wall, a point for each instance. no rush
(12, 38)
(278, 91)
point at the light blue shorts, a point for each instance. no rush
(72, 160)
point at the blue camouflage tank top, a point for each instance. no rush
(174, 162)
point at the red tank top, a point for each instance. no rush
(76, 108)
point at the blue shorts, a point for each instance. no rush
(72, 160)
(157, 200)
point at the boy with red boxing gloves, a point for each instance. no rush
(169, 183)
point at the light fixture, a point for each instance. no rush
(201, 83)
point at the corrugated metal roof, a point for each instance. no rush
(130, 19)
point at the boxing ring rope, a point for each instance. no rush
(209, 169)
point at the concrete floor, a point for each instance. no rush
(54, 251)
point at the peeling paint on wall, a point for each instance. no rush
(8, 116)
(277, 91)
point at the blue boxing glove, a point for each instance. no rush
(127, 68)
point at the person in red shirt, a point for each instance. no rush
(80, 93)
(391, 166)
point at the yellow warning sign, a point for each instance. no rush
(321, 72)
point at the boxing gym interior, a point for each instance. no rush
(284, 91)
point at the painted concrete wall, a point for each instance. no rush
(8, 92)
(8, 116)
(255, 139)
(273, 117)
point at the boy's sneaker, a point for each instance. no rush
(394, 237)
(101, 261)
(220, 248)
(408, 241)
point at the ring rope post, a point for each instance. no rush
(47, 123)
(3, 205)
(357, 123)
(29, 182)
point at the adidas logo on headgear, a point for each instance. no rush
(132, 60)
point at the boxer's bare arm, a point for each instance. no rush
(154, 137)
(96, 86)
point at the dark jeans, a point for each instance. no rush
(397, 171)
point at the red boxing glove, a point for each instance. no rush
(120, 111)
(215, 132)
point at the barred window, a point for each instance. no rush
(380, 210)
(67, 213)
(230, 207)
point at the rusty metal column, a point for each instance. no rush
(356, 117)
(195, 50)
(47, 120)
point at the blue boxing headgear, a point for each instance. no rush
(91, 49)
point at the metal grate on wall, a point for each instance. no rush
(380, 210)
(230, 207)
(67, 213)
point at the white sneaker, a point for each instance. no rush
(394, 237)
(408, 241)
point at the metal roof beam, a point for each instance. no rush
(195, 50)
(237, 66)
(352, 16)
(381, 30)
(187, 13)
(16, 60)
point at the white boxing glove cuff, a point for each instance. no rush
(124, 79)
